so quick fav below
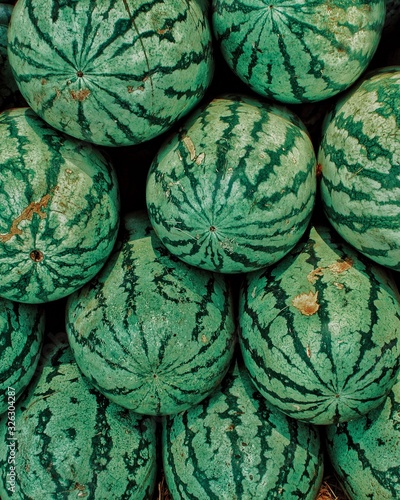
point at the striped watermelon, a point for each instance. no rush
(234, 445)
(298, 50)
(320, 331)
(112, 73)
(234, 189)
(68, 441)
(151, 333)
(60, 210)
(21, 335)
(365, 453)
(360, 164)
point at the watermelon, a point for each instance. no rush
(233, 190)
(365, 453)
(111, 73)
(21, 337)
(298, 51)
(149, 332)
(60, 209)
(68, 441)
(320, 330)
(235, 445)
(360, 166)
(9, 93)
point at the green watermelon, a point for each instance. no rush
(235, 445)
(298, 50)
(233, 190)
(112, 73)
(60, 209)
(21, 336)
(360, 165)
(320, 331)
(365, 453)
(149, 332)
(66, 440)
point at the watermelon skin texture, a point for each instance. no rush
(149, 332)
(72, 442)
(298, 51)
(111, 73)
(236, 445)
(365, 453)
(234, 189)
(21, 337)
(358, 155)
(319, 331)
(60, 214)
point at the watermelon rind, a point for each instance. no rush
(320, 330)
(65, 440)
(234, 189)
(60, 209)
(236, 445)
(298, 51)
(21, 338)
(111, 73)
(365, 453)
(150, 332)
(360, 166)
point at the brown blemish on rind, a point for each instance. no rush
(27, 214)
(306, 303)
(340, 266)
(132, 89)
(80, 95)
(313, 276)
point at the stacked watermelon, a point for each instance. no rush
(205, 196)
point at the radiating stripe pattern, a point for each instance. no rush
(360, 164)
(72, 442)
(234, 189)
(298, 50)
(236, 445)
(115, 72)
(365, 453)
(150, 332)
(60, 209)
(21, 337)
(320, 331)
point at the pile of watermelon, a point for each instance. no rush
(199, 248)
